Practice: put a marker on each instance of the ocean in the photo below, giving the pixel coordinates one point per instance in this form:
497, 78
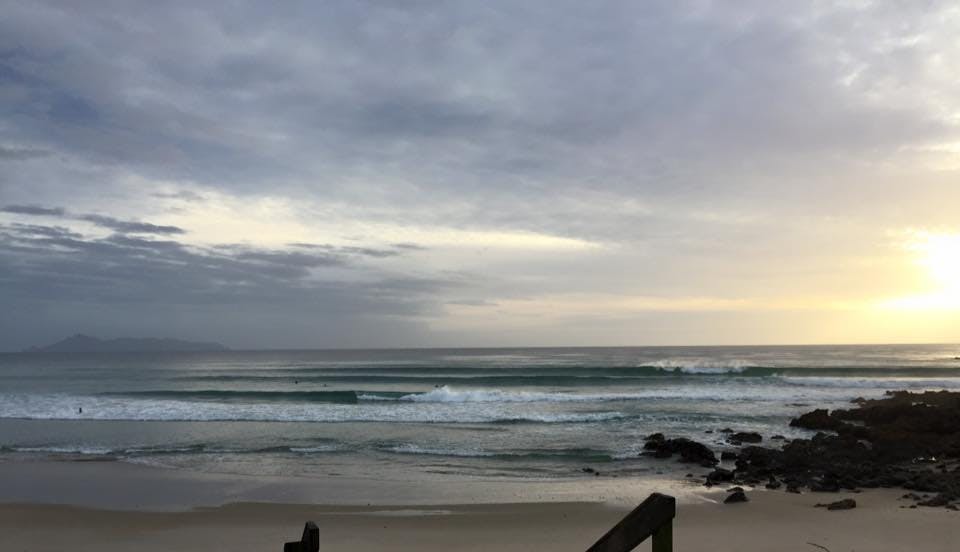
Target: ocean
448, 413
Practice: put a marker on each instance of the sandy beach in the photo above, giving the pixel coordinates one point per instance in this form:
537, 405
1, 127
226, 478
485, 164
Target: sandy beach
82, 519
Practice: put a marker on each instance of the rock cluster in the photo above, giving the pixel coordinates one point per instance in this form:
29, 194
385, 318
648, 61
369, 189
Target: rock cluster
908, 440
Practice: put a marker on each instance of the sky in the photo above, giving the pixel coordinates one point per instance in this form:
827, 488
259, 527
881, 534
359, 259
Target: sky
373, 173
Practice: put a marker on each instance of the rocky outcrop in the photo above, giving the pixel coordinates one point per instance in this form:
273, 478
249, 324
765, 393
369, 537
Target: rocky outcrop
817, 420
908, 440
658, 446
905, 440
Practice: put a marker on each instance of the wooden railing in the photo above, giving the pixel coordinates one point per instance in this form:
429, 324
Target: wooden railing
652, 518
309, 542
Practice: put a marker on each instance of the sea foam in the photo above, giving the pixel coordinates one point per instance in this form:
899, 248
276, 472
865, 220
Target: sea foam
702, 365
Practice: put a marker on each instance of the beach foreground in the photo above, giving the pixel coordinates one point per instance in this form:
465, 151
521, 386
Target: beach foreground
771, 521
107, 506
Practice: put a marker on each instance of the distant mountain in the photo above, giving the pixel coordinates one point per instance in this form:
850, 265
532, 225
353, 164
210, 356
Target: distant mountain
86, 344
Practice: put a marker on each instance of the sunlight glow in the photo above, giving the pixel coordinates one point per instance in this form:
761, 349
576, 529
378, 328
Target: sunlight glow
939, 256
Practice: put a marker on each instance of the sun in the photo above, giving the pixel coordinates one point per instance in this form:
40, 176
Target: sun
939, 254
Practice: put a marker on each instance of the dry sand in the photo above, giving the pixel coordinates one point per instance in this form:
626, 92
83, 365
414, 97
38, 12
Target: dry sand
772, 520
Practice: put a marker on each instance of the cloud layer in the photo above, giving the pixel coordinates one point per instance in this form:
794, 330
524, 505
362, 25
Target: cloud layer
471, 173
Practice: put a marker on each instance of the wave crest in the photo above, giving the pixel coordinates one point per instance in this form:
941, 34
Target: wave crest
447, 394
703, 365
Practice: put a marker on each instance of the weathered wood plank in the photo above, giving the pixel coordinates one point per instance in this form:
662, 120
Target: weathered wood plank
663, 538
309, 542
654, 514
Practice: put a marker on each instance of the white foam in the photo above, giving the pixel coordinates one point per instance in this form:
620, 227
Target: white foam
50, 407
96, 451
448, 394
410, 448
320, 448
702, 365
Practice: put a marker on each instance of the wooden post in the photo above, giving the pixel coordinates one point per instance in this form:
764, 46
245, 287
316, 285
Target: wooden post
653, 517
309, 542
663, 538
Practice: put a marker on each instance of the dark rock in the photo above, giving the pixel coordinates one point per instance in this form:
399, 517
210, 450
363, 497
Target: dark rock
738, 496
845, 504
719, 475
825, 485
690, 451
935, 502
735, 490
778, 438
818, 419
729, 455
726, 430
708, 431
906, 440
773, 484
587, 470
746, 437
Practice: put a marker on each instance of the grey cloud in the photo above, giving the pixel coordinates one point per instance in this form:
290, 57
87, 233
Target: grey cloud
510, 89
21, 154
40, 230
184, 195
130, 226
497, 103
33, 210
409, 246
288, 258
618, 122
54, 266
126, 226
396, 249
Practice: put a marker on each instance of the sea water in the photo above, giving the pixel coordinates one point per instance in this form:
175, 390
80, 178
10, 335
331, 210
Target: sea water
456, 413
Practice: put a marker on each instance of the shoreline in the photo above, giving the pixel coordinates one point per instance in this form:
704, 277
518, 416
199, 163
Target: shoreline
118, 485
110, 506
